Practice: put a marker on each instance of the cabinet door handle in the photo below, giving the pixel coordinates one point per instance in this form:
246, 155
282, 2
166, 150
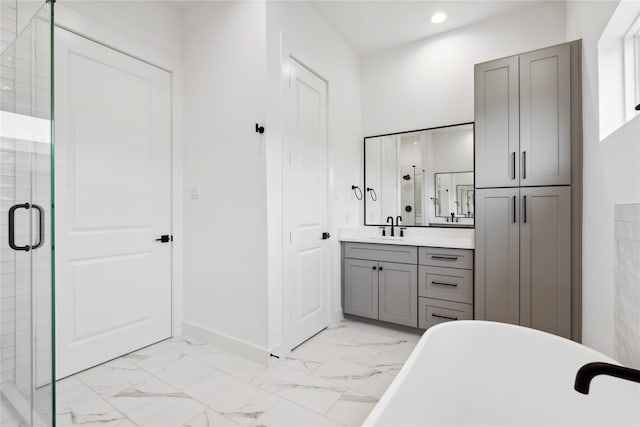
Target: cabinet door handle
444, 258
375, 268
443, 317
444, 284
380, 268
514, 210
513, 161
524, 208
524, 165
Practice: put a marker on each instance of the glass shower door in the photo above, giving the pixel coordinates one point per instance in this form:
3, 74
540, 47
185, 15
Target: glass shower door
27, 389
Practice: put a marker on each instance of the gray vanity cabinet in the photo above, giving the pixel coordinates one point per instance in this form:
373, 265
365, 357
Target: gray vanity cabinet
528, 231
407, 285
545, 116
398, 296
497, 119
523, 257
361, 288
523, 119
381, 282
497, 271
545, 259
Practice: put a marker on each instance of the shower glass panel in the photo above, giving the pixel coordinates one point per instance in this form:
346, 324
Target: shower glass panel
27, 389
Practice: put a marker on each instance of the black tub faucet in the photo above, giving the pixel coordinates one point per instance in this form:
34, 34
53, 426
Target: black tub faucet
390, 218
591, 370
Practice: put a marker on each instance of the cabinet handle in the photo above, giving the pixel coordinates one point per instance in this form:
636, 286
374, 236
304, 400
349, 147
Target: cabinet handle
380, 268
524, 165
524, 202
513, 161
443, 317
514, 210
444, 284
445, 258
375, 268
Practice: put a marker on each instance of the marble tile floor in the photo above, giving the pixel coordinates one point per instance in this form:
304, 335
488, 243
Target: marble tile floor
334, 379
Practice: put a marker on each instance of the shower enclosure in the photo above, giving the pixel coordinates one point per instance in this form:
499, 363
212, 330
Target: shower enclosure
27, 388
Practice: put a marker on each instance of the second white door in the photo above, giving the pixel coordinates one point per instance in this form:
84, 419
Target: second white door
305, 192
113, 200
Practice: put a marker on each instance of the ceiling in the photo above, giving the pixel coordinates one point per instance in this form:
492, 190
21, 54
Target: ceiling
370, 26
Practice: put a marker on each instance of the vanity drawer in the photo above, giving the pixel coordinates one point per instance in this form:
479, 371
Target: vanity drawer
433, 311
377, 252
451, 284
445, 257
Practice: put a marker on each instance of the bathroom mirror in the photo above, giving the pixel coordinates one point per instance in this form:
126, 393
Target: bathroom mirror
424, 176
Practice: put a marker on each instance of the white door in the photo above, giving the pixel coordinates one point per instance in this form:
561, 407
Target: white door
112, 196
305, 191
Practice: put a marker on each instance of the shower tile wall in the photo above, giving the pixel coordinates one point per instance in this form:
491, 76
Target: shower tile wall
627, 285
8, 23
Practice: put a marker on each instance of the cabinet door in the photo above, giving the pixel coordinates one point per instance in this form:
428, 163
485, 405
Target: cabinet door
545, 259
361, 288
496, 128
497, 256
545, 117
398, 293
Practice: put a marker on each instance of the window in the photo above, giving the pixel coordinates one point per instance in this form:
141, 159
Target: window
619, 68
632, 68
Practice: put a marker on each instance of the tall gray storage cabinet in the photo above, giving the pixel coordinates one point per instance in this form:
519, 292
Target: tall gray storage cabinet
527, 146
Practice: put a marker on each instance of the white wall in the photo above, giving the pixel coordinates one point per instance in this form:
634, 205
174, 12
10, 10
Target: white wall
152, 22
295, 28
430, 82
611, 176
225, 230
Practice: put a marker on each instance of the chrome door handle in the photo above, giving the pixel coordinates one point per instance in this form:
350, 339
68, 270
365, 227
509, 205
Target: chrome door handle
12, 227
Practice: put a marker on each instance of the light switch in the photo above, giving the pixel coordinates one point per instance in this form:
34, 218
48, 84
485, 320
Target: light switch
195, 192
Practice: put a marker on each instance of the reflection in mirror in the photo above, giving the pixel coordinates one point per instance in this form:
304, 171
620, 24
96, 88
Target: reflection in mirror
424, 176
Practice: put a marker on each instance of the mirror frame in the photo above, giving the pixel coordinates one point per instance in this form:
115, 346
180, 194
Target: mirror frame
364, 174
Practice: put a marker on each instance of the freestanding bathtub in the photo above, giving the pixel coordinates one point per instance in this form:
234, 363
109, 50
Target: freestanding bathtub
473, 373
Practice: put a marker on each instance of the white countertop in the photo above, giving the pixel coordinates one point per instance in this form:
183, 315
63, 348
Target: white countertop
458, 238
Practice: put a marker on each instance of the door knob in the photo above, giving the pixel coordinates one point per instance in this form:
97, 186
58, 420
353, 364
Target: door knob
165, 238
325, 235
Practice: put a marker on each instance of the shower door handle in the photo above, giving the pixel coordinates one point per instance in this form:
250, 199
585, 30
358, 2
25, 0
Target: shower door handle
40, 226
12, 227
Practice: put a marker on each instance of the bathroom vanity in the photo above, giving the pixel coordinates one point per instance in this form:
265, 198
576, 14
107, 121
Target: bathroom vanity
420, 185
415, 281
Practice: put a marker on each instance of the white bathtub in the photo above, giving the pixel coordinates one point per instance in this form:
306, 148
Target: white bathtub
472, 373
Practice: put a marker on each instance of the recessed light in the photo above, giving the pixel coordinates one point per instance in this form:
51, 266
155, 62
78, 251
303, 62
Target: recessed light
438, 17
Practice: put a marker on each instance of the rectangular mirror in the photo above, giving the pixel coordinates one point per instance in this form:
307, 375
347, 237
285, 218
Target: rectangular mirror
424, 176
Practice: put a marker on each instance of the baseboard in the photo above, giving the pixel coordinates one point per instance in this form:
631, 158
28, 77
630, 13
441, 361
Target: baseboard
336, 317
225, 342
